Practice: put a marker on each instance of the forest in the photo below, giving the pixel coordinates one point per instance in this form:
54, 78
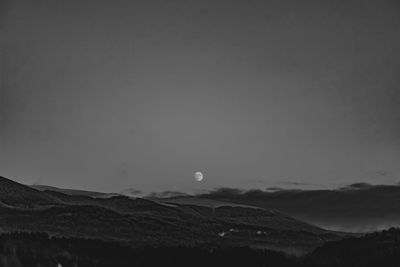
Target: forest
40, 249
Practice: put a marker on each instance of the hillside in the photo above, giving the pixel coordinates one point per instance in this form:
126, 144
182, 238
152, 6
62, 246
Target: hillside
381, 249
17, 195
39, 249
145, 222
376, 249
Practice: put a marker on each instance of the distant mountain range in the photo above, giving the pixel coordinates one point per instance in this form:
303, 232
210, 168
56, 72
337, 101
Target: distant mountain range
356, 208
139, 222
359, 207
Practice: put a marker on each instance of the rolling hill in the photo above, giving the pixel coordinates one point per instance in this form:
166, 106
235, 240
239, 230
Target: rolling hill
140, 222
14, 194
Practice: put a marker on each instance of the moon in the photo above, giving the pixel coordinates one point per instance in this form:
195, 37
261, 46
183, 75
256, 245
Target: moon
198, 176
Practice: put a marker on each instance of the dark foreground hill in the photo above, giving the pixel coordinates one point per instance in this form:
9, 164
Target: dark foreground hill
142, 222
24, 249
39, 249
376, 249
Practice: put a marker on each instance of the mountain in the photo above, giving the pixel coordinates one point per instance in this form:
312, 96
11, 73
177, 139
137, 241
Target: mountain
139, 222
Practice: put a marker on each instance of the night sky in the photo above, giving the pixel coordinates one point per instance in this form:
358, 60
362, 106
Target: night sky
109, 95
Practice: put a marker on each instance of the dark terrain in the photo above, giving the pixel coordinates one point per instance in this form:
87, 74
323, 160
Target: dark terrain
142, 222
39, 249
79, 228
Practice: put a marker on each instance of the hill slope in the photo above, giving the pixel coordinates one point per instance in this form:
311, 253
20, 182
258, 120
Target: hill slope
18, 195
376, 249
144, 222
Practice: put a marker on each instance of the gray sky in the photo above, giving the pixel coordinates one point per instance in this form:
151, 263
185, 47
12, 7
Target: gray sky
109, 95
